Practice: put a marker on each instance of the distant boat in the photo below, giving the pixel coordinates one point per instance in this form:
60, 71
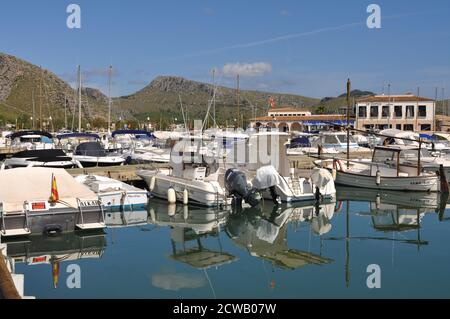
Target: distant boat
91, 154
384, 171
115, 195
192, 176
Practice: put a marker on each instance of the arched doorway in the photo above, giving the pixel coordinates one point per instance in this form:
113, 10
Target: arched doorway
283, 127
296, 127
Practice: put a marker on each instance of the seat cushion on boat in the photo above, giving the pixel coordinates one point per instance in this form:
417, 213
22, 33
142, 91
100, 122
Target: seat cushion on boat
403, 174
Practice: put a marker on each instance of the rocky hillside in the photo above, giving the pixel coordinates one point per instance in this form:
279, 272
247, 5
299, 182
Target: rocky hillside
162, 98
21, 83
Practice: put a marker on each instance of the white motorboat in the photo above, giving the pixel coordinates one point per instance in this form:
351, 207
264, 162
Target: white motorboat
265, 164
55, 158
31, 140
336, 142
25, 206
115, 195
192, 178
90, 154
385, 171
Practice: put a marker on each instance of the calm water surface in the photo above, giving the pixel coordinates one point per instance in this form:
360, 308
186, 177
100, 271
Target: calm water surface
297, 251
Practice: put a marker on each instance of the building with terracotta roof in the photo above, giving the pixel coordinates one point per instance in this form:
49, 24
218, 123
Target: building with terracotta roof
404, 112
289, 119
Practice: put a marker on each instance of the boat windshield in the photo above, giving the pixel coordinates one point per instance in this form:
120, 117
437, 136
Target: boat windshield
382, 156
343, 138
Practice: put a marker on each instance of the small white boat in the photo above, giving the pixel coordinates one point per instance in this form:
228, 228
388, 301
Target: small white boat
40, 158
192, 178
115, 195
336, 142
385, 171
90, 154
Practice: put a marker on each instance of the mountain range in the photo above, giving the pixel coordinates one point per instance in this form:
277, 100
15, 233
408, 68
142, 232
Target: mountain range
28, 91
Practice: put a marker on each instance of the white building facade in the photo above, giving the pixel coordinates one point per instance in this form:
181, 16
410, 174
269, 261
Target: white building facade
402, 112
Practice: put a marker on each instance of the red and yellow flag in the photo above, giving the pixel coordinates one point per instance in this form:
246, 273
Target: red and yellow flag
55, 273
54, 196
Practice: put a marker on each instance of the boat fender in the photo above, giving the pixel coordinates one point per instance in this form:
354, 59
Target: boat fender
185, 212
152, 214
377, 201
334, 173
273, 193
318, 195
151, 186
171, 209
185, 197
337, 164
378, 178
171, 196
443, 179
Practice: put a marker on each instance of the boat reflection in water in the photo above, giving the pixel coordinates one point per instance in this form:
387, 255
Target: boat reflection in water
126, 218
263, 232
53, 250
395, 211
189, 228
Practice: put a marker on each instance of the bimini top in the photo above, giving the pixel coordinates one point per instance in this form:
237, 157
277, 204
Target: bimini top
28, 133
34, 183
133, 132
300, 141
90, 149
77, 135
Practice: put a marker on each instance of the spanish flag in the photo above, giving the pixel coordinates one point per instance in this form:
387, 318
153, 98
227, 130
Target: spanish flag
55, 273
54, 196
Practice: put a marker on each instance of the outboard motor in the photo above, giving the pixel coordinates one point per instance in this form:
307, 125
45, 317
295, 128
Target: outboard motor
236, 185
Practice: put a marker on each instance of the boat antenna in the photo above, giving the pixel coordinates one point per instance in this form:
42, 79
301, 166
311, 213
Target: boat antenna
109, 99
79, 98
182, 113
348, 122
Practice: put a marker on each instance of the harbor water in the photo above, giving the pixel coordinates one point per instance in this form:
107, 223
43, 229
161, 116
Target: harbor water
291, 251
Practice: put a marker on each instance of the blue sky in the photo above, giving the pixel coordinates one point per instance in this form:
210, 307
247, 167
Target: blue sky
301, 47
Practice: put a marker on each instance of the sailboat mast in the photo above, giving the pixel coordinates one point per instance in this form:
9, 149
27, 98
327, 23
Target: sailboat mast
214, 96
238, 102
79, 99
109, 99
65, 111
34, 110
348, 121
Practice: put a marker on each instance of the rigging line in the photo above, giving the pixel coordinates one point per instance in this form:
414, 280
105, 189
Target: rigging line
210, 284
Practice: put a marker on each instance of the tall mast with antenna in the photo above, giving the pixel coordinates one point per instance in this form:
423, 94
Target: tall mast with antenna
109, 99
34, 110
238, 102
65, 111
79, 98
214, 99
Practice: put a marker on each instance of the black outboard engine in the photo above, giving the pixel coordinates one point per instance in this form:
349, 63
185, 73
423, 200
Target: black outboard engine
236, 185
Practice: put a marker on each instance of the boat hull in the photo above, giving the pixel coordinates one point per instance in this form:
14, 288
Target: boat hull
415, 184
199, 192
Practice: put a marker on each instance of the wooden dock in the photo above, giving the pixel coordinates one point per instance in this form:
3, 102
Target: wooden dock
124, 173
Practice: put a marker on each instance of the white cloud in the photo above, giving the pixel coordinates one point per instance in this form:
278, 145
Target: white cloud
178, 281
246, 69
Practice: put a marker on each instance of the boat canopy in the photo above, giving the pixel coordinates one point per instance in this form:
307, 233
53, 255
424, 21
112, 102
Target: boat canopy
133, 132
90, 149
77, 135
28, 133
301, 141
34, 184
